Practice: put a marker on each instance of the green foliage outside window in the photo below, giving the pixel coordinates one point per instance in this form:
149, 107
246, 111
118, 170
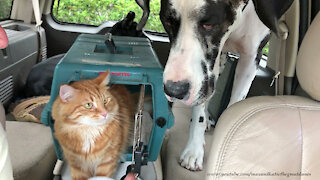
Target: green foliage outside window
265, 50
5, 9
95, 12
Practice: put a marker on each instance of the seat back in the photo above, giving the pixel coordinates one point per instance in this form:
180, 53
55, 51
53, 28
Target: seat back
273, 137
5, 163
308, 62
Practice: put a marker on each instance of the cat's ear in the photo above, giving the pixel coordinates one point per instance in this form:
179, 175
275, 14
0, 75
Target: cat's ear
67, 93
103, 79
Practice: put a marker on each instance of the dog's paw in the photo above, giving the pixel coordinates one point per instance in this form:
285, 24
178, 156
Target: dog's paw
192, 157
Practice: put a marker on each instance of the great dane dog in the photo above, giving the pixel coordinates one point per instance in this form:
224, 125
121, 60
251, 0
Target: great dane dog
199, 31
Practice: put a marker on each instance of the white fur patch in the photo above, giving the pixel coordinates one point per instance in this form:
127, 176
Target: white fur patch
245, 40
89, 136
88, 121
192, 156
184, 7
92, 130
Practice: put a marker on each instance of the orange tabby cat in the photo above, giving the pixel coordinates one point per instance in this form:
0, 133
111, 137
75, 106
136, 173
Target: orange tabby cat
92, 123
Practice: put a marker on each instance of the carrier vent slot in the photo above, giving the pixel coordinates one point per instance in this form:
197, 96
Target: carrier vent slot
6, 89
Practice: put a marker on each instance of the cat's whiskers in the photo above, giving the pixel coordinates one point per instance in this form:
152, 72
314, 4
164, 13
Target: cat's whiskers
118, 114
117, 117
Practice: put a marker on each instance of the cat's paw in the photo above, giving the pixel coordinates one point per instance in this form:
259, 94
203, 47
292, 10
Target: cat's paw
192, 156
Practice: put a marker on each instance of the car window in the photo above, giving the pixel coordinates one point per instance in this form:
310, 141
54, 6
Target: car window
5, 9
265, 50
95, 12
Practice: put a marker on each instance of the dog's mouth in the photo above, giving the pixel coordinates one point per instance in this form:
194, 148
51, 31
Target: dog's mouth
188, 102
191, 99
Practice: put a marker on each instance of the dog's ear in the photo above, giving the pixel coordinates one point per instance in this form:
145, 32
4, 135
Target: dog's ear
270, 11
145, 5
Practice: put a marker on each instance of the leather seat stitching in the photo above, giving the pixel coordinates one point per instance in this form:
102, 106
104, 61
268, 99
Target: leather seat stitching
244, 118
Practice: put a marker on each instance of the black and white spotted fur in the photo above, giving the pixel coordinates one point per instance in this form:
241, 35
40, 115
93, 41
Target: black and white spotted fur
199, 31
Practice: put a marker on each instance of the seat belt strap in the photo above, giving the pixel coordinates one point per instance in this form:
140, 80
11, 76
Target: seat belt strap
37, 16
278, 78
36, 10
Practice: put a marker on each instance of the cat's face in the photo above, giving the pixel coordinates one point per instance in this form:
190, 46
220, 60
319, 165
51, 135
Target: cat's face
89, 102
96, 106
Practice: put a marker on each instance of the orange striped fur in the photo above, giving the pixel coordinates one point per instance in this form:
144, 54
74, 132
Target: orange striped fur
91, 141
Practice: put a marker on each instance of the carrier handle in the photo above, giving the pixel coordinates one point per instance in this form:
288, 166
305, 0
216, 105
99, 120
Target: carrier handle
110, 43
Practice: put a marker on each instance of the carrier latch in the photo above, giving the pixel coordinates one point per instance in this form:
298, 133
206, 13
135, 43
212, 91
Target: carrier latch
139, 151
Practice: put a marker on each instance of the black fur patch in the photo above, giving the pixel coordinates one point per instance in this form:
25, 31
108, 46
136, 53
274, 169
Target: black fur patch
215, 52
245, 5
203, 93
204, 68
217, 13
201, 119
270, 11
169, 20
220, 15
213, 58
191, 120
211, 81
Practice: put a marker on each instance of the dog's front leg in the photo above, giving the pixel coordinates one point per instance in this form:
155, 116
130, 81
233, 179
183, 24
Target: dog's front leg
192, 156
245, 73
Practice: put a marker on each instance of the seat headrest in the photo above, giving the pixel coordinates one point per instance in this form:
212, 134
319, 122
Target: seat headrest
308, 60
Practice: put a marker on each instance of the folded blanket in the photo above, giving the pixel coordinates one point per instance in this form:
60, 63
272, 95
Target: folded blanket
30, 109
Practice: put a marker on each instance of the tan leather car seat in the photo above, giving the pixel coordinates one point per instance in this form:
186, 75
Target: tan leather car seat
273, 137
30, 148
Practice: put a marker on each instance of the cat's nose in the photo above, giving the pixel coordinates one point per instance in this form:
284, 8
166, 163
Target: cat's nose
104, 114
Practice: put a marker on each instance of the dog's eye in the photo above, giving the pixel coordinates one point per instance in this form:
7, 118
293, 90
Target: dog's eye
168, 23
207, 27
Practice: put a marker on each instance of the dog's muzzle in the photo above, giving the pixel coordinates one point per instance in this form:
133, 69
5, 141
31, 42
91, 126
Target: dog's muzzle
178, 90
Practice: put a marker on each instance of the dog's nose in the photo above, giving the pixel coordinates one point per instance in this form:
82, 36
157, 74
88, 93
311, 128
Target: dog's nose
177, 89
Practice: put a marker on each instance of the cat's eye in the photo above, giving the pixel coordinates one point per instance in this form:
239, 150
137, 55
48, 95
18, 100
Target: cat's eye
88, 105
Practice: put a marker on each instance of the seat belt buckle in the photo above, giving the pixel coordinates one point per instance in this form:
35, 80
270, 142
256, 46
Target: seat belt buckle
275, 78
